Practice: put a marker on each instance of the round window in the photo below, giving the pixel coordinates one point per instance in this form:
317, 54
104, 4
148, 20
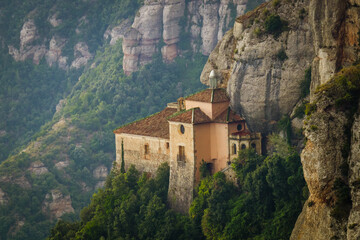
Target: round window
239, 127
182, 129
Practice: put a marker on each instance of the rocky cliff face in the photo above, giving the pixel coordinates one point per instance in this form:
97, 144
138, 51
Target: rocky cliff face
34, 48
330, 163
263, 68
56, 204
159, 26
172, 22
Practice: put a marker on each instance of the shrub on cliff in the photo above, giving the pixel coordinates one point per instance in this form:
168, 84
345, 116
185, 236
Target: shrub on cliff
274, 24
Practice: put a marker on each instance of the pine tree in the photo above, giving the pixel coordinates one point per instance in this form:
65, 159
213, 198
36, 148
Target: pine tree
122, 168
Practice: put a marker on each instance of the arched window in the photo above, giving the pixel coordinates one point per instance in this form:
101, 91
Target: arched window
243, 146
253, 145
234, 149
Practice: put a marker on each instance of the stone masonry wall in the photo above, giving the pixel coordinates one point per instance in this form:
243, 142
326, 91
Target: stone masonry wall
134, 153
182, 173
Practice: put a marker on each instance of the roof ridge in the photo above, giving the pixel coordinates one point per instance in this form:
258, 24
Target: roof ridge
140, 119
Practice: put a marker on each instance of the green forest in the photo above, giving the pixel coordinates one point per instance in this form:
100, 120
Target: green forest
103, 99
264, 204
29, 92
95, 99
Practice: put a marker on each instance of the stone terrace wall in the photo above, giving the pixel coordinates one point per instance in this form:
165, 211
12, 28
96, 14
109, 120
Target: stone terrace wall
134, 153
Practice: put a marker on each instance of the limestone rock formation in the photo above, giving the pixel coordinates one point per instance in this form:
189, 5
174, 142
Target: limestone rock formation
353, 227
100, 172
32, 47
335, 25
100, 184
261, 85
159, 26
322, 161
168, 21
16, 179
3, 198
81, 54
263, 70
38, 168
61, 165
53, 55
117, 32
54, 20
28, 35
57, 204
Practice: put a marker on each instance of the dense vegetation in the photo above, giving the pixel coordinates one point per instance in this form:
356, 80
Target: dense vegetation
130, 207
28, 97
29, 92
265, 205
81, 133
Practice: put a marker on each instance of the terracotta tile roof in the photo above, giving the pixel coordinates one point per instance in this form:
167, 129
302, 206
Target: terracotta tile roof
155, 125
194, 115
210, 95
242, 133
228, 116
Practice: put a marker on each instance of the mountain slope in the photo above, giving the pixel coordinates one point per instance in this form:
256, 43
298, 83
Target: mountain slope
53, 171
264, 62
72, 154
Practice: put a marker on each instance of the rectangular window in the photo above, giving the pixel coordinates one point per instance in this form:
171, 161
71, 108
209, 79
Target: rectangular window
147, 149
234, 149
181, 150
181, 154
167, 145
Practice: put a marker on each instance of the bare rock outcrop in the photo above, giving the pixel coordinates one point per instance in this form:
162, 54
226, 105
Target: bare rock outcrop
335, 25
38, 168
322, 161
168, 21
100, 172
81, 54
28, 50
117, 32
353, 226
262, 71
61, 165
53, 55
100, 184
57, 204
262, 85
54, 20
3, 198
19, 180
32, 47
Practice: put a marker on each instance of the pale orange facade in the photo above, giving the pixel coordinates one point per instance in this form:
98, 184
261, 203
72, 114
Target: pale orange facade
199, 127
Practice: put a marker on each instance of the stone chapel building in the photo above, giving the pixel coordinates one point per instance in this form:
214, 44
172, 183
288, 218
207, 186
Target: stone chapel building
199, 127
